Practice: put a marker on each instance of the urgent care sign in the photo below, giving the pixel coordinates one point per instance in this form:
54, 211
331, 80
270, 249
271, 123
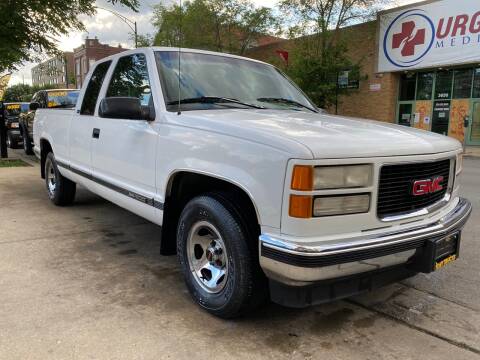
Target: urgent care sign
438, 33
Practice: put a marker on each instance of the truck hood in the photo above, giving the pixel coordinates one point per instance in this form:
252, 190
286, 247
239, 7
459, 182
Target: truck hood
325, 136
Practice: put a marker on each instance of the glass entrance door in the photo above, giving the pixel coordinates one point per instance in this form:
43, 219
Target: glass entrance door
474, 126
441, 117
405, 114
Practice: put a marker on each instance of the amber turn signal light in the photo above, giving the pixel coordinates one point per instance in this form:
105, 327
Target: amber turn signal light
301, 206
302, 178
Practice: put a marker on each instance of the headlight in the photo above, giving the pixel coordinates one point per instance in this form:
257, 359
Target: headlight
341, 205
338, 177
459, 164
308, 178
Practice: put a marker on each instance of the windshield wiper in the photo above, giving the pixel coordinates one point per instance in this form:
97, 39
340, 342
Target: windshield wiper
286, 101
213, 100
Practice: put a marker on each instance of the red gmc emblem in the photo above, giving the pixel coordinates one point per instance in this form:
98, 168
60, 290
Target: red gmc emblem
428, 186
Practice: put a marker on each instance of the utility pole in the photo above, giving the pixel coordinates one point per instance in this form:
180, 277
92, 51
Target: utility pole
136, 35
65, 68
130, 23
336, 93
3, 133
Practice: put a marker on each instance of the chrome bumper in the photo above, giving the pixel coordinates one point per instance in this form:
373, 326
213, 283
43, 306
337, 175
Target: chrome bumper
297, 265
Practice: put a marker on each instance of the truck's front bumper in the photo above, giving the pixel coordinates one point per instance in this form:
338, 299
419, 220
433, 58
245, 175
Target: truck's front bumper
294, 265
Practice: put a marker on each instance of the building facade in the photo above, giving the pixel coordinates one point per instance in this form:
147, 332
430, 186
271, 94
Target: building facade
420, 67
87, 54
56, 72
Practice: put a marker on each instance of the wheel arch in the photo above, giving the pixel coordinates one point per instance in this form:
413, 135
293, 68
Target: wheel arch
184, 185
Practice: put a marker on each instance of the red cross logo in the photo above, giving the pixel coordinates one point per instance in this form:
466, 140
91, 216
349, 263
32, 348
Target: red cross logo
408, 39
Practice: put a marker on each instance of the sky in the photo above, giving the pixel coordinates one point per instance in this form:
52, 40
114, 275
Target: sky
111, 30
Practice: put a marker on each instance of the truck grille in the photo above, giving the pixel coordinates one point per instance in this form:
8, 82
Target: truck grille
396, 183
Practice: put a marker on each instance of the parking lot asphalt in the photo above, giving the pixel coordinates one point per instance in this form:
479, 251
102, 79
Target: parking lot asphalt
87, 282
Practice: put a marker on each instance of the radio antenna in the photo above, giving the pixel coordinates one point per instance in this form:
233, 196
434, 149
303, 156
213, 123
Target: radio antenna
179, 111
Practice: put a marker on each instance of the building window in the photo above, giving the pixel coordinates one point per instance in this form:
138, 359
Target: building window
407, 87
476, 83
462, 85
443, 86
348, 79
425, 86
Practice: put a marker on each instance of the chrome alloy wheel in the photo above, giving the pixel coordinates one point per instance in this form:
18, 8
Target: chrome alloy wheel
51, 178
207, 257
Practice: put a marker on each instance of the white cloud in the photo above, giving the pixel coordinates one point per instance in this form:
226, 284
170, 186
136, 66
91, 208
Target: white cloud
267, 3
111, 30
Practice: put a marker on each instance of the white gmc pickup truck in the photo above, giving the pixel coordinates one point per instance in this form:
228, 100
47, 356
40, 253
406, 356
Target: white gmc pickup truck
258, 192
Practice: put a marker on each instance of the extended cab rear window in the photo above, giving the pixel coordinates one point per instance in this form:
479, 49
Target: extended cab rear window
93, 89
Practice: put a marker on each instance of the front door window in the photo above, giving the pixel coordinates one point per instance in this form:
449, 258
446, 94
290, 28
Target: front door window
130, 79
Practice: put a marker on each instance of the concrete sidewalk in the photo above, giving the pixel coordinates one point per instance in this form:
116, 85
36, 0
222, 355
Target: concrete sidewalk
87, 282
472, 151
20, 154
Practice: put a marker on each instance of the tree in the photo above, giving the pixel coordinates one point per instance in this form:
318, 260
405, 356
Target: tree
30, 27
218, 25
143, 40
16, 93
22, 92
321, 50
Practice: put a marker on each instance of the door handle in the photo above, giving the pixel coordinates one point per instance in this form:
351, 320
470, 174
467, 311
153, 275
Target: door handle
96, 133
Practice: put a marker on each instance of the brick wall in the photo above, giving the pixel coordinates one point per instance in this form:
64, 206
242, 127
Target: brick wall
376, 97
88, 53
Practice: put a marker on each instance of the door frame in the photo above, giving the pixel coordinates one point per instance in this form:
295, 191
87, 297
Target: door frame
406, 102
468, 131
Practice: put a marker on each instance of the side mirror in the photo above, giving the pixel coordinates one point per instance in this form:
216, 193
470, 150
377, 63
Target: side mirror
34, 106
125, 108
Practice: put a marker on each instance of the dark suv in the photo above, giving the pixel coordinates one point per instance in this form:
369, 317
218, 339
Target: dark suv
12, 115
55, 98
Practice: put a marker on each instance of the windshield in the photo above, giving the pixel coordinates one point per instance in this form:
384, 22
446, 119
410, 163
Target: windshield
12, 109
62, 98
213, 81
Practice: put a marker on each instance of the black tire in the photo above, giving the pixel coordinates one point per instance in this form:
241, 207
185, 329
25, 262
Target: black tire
12, 144
240, 292
27, 144
62, 191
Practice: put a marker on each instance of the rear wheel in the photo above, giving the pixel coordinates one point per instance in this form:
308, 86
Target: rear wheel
61, 190
216, 259
27, 144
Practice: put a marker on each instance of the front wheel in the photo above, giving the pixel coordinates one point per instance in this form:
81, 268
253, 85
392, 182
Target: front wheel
61, 190
217, 263
11, 143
